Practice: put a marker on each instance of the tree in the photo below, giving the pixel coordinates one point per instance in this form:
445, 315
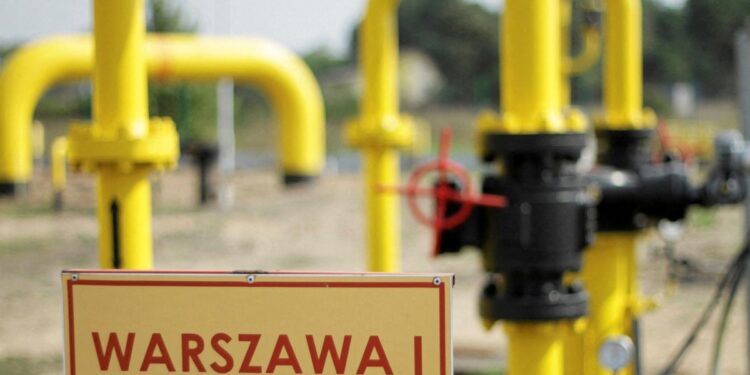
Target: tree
191, 106
711, 26
666, 47
462, 38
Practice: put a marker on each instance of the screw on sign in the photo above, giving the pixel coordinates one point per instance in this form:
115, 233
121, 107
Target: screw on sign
443, 192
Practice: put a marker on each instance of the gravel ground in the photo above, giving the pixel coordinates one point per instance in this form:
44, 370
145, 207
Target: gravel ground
272, 228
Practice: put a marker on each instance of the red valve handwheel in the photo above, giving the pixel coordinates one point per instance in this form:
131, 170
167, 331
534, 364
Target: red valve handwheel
443, 192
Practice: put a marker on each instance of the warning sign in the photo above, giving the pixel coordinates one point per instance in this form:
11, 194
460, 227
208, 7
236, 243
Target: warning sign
127, 322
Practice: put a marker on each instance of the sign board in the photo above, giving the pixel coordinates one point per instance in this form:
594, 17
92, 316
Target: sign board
162, 322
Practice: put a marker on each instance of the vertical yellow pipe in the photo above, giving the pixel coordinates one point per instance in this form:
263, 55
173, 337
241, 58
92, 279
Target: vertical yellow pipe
531, 67
120, 80
566, 15
379, 61
610, 269
610, 277
120, 108
623, 72
532, 103
535, 348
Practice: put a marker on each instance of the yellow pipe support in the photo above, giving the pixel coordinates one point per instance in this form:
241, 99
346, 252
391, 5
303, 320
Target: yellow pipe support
623, 68
288, 82
59, 178
535, 348
380, 131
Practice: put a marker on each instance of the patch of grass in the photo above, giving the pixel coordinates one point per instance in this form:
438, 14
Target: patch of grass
702, 217
30, 365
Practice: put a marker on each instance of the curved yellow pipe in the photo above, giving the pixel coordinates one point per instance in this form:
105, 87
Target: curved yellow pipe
588, 56
25, 77
289, 84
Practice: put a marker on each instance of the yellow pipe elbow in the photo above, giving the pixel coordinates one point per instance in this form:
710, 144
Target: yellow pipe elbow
59, 178
290, 85
25, 77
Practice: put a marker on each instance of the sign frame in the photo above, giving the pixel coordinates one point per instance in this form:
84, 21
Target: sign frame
73, 280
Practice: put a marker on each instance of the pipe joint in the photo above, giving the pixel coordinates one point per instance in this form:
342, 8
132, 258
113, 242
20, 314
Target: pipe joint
572, 120
644, 119
90, 149
394, 132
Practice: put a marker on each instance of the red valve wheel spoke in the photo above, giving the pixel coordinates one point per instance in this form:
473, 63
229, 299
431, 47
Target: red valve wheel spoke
448, 172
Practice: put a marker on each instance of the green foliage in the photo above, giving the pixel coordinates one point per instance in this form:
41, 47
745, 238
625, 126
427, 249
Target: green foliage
666, 47
191, 106
656, 97
321, 60
711, 26
165, 16
462, 39
340, 101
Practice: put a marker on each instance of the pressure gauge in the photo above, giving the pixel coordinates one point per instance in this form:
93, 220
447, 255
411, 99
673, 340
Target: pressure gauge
616, 352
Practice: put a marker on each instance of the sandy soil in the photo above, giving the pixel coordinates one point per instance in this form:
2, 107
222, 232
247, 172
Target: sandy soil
316, 228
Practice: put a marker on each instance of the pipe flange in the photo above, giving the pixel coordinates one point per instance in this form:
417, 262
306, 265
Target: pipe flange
391, 132
158, 149
567, 304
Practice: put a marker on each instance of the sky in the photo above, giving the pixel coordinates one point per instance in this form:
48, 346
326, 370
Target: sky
301, 25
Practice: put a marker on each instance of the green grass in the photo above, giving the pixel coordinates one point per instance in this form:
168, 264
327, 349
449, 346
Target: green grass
30, 366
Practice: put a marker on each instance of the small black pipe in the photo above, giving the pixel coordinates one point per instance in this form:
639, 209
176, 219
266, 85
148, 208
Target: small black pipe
116, 256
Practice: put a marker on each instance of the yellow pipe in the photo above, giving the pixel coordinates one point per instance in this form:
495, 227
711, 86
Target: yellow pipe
25, 77
566, 16
379, 61
609, 269
623, 71
380, 131
532, 102
610, 276
531, 67
120, 112
290, 86
535, 348
120, 102
586, 58
59, 178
